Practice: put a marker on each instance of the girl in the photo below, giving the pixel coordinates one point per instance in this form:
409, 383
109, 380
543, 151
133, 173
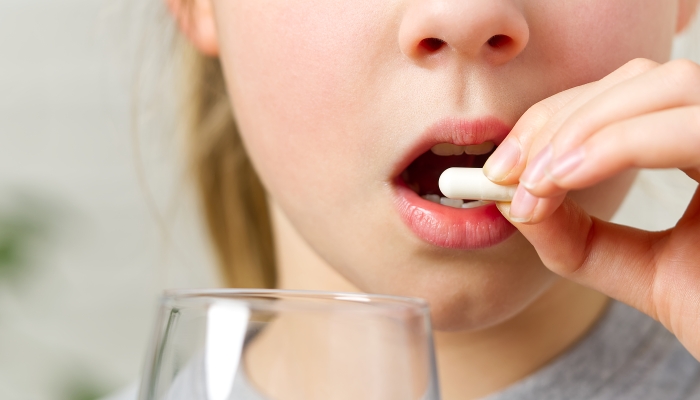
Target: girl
346, 111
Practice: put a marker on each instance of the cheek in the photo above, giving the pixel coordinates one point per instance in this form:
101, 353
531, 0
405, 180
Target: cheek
296, 108
585, 40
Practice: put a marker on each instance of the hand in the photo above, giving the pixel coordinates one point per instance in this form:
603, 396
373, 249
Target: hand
644, 115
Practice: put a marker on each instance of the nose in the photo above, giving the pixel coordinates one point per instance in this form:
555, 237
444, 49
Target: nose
494, 31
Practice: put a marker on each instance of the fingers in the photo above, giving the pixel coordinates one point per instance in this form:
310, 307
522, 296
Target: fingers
540, 123
508, 161
648, 120
666, 139
662, 88
526, 208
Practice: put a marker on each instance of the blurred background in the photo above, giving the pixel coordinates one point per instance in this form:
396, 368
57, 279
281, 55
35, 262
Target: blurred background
96, 218
95, 215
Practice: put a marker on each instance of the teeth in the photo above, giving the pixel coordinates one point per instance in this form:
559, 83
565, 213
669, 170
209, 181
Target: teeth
479, 149
447, 149
432, 197
456, 203
475, 204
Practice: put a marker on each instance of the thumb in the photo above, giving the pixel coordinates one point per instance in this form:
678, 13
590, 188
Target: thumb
613, 259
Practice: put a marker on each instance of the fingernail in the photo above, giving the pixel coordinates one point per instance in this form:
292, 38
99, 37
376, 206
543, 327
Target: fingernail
504, 208
503, 160
523, 205
535, 170
566, 164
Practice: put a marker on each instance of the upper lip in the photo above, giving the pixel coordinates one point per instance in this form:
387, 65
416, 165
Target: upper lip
458, 131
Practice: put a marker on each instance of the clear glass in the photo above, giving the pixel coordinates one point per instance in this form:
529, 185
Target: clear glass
290, 345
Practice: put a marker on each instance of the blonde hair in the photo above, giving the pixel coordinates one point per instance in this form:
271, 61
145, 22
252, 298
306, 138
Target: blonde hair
231, 194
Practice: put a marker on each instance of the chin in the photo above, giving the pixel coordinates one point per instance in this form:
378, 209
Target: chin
473, 313
470, 291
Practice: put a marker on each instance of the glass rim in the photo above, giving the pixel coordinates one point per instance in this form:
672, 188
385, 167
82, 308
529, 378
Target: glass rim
349, 297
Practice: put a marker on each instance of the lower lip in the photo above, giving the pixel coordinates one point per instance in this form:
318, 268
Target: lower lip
453, 228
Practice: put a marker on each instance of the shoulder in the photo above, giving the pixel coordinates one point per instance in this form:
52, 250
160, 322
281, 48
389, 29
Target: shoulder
639, 359
659, 368
626, 356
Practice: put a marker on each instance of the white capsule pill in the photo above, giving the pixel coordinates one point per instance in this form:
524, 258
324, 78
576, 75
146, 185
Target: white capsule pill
472, 184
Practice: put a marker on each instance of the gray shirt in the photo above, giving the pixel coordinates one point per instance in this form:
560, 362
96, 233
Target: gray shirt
626, 356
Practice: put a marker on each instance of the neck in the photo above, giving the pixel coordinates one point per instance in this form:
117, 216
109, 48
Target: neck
470, 364
475, 364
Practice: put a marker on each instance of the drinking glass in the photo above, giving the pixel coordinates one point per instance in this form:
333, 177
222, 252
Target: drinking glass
290, 345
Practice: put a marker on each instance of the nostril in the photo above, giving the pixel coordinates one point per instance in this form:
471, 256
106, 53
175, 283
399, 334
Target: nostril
499, 41
431, 44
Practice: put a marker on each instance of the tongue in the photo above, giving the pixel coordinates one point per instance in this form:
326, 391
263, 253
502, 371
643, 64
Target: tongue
425, 170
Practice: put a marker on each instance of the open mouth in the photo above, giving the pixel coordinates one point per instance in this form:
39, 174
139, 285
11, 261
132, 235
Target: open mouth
455, 224
423, 173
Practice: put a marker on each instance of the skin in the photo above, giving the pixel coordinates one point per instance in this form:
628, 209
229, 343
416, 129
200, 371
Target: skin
329, 95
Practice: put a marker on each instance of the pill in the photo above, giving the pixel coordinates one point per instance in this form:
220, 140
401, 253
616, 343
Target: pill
472, 184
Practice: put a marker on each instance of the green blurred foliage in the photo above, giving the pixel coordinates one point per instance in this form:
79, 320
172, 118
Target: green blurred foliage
28, 221
84, 390
25, 224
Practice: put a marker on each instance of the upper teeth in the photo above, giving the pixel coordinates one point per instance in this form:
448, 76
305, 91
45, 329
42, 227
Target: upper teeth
448, 149
478, 149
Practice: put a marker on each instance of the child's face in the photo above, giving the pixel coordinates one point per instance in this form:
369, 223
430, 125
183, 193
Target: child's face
335, 98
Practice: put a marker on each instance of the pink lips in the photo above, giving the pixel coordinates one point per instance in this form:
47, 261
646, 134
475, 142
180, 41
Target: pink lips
444, 226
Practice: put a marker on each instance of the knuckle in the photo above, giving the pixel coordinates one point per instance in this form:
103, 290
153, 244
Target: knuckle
640, 65
541, 110
685, 72
550, 106
537, 116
